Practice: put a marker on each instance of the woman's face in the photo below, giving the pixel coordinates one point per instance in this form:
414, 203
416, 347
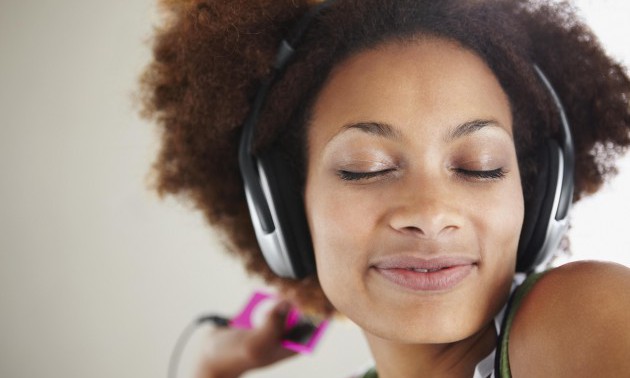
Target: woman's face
413, 193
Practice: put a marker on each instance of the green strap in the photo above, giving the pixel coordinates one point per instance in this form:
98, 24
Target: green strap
370, 373
520, 293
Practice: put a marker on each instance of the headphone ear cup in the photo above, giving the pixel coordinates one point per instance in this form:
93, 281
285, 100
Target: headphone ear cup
287, 205
539, 209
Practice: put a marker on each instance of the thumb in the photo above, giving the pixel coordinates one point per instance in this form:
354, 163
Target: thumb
264, 347
274, 325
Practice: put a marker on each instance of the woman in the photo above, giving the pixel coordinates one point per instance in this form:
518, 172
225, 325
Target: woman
422, 143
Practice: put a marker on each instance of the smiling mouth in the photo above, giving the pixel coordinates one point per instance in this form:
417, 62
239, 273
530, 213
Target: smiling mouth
421, 270
425, 275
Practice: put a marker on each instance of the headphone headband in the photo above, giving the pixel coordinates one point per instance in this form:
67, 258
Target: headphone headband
247, 162
566, 195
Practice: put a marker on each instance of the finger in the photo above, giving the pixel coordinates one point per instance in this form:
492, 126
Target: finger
264, 345
274, 325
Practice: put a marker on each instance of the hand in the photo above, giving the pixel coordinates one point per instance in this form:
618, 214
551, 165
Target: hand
231, 351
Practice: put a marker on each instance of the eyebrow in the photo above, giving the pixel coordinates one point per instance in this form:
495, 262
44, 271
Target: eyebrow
387, 131
375, 128
468, 128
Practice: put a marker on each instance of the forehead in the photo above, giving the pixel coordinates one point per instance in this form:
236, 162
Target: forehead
427, 81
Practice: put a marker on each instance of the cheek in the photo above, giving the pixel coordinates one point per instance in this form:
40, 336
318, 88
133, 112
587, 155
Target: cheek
499, 225
497, 222
342, 230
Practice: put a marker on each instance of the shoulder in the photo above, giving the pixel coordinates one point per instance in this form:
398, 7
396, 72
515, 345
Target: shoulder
574, 322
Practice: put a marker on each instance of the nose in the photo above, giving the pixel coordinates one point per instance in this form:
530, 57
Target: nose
428, 213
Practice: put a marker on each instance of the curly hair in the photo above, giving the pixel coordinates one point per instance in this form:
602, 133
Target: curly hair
210, 56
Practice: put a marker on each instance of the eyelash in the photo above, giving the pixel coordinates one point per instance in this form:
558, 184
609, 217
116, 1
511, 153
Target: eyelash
494, 174
357, 176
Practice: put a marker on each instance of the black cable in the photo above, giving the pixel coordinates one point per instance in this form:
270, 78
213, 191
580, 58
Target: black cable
184, 337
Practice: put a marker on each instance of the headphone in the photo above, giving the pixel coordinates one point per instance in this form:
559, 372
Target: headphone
276, 204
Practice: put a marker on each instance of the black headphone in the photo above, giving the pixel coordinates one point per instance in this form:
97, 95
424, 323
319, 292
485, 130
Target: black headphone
276, 204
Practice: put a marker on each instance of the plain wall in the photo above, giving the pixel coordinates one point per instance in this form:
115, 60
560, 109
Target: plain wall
97, 275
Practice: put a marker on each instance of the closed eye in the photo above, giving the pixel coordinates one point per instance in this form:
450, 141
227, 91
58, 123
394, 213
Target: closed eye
493, 174
357, 176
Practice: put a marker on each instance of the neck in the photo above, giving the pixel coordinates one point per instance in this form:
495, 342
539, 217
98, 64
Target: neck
458, 359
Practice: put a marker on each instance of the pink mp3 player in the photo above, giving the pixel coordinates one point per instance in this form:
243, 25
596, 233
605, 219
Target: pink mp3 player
302, 333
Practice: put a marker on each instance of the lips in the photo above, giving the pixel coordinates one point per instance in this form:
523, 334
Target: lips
420, 274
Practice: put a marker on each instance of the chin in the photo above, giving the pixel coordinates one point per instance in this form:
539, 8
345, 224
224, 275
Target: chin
439, 319
438, 330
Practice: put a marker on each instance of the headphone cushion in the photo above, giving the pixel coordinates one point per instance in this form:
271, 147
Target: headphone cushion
288, 203
539, 208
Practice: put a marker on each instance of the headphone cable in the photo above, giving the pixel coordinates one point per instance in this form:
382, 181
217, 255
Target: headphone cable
185, 335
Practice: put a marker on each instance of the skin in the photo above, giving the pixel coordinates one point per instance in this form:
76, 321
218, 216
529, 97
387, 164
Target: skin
424, 201
574, 323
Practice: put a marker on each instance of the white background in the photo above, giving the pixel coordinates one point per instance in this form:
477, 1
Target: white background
97, 275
